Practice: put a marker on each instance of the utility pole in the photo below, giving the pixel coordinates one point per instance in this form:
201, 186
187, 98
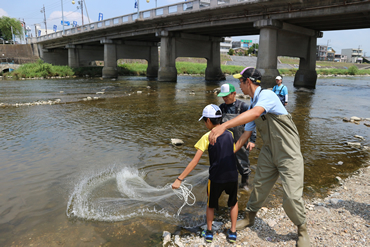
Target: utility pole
62, 16
82, 12
43, 11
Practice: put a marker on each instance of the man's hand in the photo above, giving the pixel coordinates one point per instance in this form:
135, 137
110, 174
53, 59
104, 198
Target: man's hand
250, 146
176, 184
216, 132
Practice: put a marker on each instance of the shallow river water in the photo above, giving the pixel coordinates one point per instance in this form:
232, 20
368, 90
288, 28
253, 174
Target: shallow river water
96, 172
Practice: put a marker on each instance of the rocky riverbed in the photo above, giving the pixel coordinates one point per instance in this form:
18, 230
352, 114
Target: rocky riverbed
341, 219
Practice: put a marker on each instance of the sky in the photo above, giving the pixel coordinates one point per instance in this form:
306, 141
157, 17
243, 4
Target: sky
29, 10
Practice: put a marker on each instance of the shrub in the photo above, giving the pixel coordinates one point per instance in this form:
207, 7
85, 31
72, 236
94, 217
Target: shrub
353, 70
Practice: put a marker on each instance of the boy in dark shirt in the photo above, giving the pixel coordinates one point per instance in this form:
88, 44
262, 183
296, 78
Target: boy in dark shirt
223, 174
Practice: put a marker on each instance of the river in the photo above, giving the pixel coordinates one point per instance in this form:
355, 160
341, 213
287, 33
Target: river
96, 172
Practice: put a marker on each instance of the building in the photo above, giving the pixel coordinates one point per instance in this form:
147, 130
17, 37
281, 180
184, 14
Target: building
321, 52
236, 44
226, 45
353, 55
340, 58
245, 43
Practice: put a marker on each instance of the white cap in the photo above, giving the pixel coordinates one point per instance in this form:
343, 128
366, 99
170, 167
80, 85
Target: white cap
210, 112
278, 77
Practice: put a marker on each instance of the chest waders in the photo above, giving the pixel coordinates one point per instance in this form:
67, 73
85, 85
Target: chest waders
280, 156
281, 97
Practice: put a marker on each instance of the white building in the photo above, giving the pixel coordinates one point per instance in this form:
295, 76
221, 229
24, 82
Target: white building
226, 45
353, 55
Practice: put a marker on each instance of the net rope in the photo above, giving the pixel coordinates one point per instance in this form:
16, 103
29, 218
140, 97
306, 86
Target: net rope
184, 193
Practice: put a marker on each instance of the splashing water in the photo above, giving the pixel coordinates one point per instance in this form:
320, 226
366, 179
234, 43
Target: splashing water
118, 195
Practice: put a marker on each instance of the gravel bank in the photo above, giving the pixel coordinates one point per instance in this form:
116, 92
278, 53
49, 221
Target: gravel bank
341, 219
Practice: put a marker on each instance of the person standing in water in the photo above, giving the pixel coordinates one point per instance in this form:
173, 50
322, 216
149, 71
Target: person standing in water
281, 90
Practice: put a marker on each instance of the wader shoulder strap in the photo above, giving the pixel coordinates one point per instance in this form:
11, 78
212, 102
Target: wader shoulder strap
281, 90
238, 105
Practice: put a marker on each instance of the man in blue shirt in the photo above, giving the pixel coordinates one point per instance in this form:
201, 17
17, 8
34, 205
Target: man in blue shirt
281, 90
280, 154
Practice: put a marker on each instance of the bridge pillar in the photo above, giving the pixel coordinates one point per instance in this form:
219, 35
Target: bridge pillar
167, 70
110, 59
213, 70
267, 51
306, 75
153, 63
73, 56
283, 39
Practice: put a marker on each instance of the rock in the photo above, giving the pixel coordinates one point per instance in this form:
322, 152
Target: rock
139, 92
354, 144
217, 90
178, 242
367, 124
176, 142
99, 92
191, 93
89, 98
61, 92
360, 137
367, 119
338, 179
166, 237
340, 163
335, 201
356, 118
346, 120
322, 209
148, 87
365, 148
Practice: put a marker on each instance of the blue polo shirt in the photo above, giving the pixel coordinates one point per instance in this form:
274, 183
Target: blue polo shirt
269, 101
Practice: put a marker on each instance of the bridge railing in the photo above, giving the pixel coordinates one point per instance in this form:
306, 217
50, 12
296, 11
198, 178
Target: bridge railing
173, 9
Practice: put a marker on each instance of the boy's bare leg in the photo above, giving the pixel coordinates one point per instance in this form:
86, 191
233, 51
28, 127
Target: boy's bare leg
234, 216
210, 214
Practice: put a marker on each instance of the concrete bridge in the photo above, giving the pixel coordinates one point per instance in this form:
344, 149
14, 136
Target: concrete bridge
195, 29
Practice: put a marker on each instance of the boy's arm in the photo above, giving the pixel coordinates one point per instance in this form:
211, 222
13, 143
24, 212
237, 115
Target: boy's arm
242, 140
188, 169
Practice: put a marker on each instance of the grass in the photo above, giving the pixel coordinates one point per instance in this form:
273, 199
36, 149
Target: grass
183, 66
40, 69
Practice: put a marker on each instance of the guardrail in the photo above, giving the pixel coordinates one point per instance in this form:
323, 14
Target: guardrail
177, 8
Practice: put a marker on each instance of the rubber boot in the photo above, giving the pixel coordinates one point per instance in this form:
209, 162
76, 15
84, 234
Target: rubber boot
247, 221
303, 238
244, 183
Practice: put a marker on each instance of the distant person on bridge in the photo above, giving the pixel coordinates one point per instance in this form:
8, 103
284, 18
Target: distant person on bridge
230, 109
280, 154
281, 90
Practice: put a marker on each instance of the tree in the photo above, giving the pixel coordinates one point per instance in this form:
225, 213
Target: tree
231, 52
6, 25
253, 49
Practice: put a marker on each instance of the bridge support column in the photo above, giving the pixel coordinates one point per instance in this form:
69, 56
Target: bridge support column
213, 70
153, 63
110, 59
167, 70
73, 56
267, 51
306, 75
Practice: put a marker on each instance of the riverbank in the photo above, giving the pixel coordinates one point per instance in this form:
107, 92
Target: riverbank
197, 67
341, 219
